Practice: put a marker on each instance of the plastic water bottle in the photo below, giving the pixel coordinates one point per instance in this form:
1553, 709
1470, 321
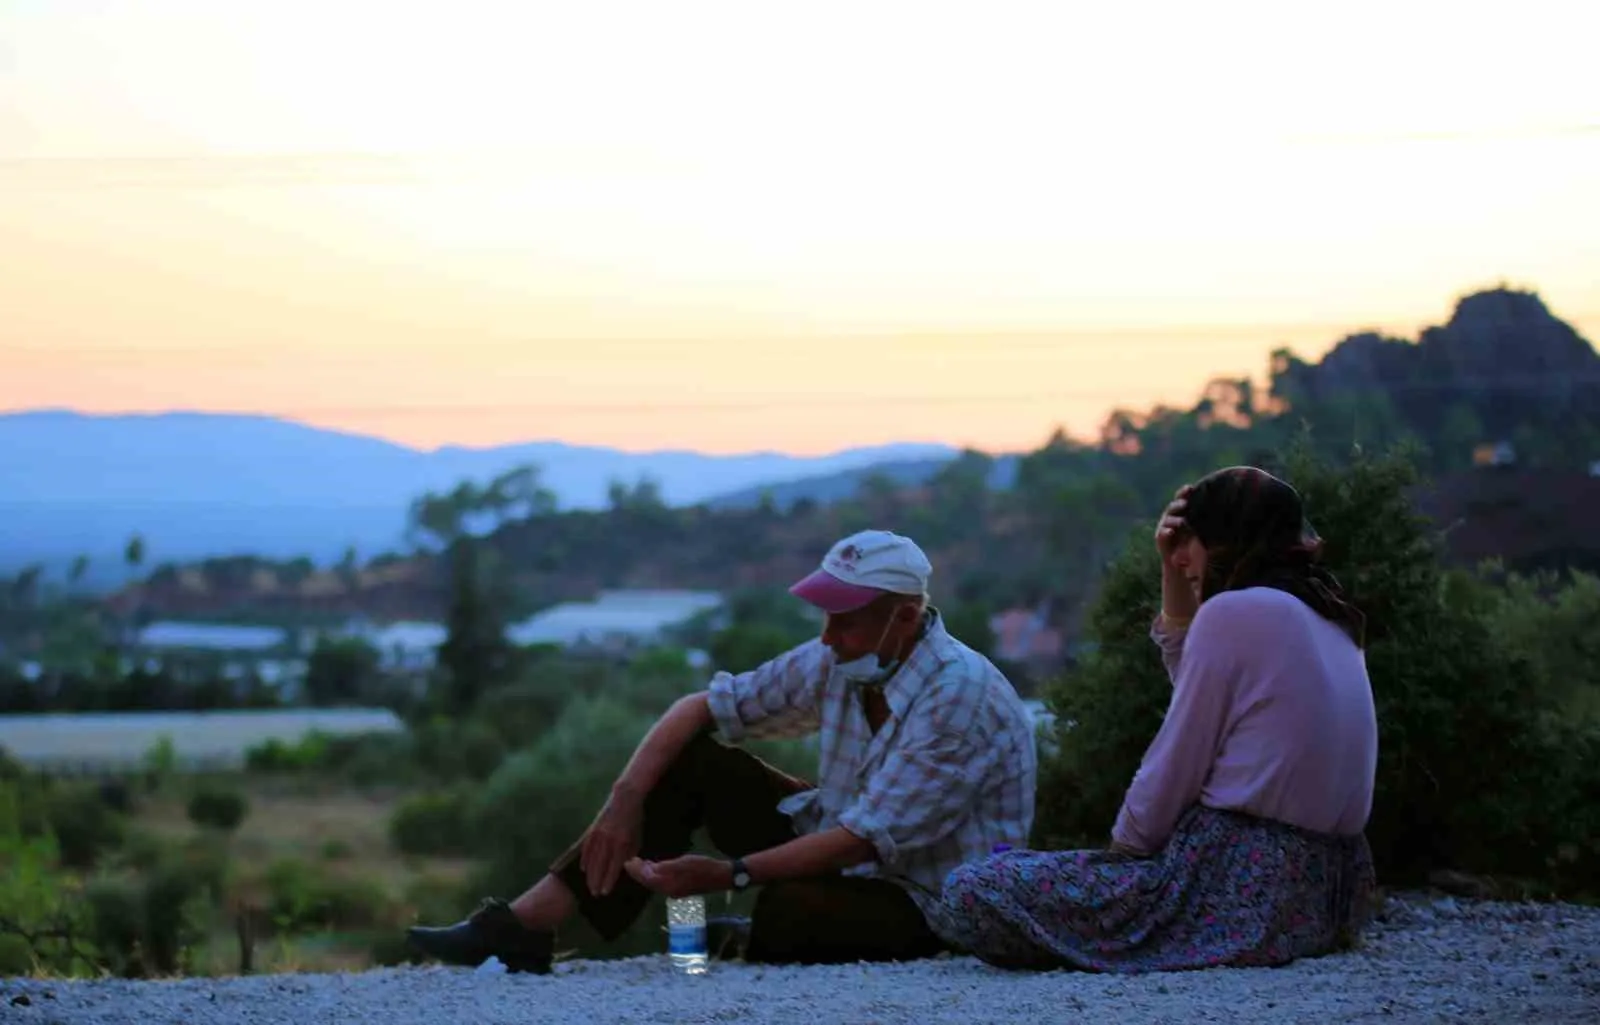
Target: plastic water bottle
686, 934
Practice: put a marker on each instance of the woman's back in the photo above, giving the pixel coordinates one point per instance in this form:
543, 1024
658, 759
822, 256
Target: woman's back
1299, 740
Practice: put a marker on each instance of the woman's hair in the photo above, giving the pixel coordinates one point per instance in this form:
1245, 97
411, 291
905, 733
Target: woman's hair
1255, 533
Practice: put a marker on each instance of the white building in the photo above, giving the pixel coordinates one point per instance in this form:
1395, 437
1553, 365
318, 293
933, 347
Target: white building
220, 637
407, 646
243, 651
616, 620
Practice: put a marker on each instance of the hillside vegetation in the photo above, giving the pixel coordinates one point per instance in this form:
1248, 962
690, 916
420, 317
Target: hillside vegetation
1039, 528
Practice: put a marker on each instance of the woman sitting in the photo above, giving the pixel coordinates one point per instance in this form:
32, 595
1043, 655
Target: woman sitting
1240, 839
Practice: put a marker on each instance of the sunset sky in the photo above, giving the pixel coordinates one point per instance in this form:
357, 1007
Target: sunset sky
732, 226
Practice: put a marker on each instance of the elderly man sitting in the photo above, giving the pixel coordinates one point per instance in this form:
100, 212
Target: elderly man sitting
927, 761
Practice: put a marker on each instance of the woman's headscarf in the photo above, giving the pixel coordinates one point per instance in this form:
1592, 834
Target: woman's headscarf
1255, 532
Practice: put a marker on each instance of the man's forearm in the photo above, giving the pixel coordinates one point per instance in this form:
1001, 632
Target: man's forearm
665, 741
812, 855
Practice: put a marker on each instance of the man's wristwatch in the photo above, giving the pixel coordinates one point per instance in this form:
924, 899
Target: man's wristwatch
741, 875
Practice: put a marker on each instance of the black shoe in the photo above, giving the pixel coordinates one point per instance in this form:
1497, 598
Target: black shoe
727, 937
491, 931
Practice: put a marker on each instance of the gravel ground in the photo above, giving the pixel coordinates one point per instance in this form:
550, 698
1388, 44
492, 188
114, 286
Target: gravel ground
1428, 959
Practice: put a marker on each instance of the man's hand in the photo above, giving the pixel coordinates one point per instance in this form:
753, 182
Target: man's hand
611, 841
682, 877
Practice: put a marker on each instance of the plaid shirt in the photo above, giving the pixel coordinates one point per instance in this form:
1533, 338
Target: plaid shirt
948, 776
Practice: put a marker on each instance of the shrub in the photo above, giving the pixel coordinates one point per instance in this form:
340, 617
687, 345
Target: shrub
469, 749
300, 898
84, 827
381, 758
431, 824
1548, 620
41, 918
1475, 772
150, 923
217, 808
10, 768
117, 795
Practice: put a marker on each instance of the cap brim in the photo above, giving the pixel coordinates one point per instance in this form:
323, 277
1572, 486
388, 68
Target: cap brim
832, 595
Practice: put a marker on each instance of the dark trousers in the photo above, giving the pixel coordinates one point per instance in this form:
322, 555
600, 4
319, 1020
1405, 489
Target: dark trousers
734, 796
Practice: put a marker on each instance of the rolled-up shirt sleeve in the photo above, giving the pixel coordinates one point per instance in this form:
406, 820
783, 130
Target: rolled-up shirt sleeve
924, 786
1179, 760
779, 698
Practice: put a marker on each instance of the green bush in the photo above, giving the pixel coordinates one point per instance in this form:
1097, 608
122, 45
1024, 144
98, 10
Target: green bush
527, 708
432, 824
41, 915
84, 827
117, 795
1476, 770
217, 808
361, 758
10, 768
469, 749
150, 924
1548, 619
302, 899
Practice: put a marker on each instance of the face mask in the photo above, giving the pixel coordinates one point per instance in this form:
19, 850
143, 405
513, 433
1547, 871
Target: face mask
869, 669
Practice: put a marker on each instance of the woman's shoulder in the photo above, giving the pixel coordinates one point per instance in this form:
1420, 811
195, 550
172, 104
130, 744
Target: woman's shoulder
1247, 605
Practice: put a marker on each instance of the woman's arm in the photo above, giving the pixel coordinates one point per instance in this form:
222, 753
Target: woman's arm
1179, 760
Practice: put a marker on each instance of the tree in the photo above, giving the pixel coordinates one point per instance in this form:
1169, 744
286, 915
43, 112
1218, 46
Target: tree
475, 655
433, 520
134, 553
349, 569
519, 494
340, 671
25, 587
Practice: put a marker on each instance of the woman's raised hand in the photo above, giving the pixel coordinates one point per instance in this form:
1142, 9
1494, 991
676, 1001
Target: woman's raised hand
1178, 602
1169, 531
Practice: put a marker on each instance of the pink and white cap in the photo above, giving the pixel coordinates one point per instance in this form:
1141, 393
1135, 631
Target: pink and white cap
863, 567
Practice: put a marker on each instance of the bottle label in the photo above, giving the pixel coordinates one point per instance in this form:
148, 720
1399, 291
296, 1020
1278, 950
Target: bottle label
686, 939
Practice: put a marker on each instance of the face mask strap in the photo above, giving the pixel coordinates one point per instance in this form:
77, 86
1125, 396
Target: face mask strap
882, 671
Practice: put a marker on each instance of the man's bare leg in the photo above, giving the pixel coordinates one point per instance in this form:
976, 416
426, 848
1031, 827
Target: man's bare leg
545, 904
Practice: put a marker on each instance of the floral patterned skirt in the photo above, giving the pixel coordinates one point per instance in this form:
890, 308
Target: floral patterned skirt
1228, 889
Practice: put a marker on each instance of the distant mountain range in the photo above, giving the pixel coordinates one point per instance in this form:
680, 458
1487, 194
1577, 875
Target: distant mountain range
843, 484
197, 484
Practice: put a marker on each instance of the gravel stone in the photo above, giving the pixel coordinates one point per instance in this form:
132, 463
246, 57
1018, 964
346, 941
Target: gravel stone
1425, 959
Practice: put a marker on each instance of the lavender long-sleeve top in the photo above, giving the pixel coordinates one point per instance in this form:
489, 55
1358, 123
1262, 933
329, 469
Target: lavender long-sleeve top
1271, 714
